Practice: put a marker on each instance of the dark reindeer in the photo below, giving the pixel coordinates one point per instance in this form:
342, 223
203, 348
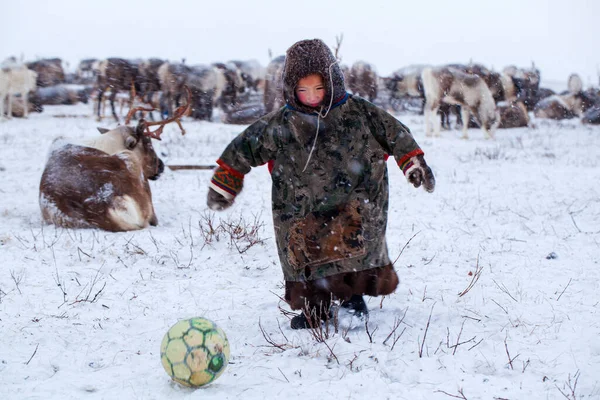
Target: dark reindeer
50, 71
117, 75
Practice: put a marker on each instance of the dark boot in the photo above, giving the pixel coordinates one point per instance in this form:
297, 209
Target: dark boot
301, 322
356, 305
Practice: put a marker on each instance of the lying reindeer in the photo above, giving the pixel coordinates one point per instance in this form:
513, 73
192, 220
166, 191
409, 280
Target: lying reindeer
573, 103
103, 183
452, 86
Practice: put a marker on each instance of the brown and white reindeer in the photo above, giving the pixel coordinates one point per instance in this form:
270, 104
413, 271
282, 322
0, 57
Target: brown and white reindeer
362, 80
452, 86
252, 73
405, 87
103, 183
229, 85
575, 102
406, 82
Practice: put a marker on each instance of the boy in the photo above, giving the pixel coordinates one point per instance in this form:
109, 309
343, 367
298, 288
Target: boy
327, 153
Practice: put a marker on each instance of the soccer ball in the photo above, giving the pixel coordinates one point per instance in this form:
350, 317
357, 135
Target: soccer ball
194, 352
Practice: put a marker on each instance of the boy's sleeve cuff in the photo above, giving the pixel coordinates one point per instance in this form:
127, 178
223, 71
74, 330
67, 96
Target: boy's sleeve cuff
226, 183
407, 163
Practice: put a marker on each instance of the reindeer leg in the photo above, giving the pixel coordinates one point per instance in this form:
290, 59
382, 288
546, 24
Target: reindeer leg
9, 108
25, 105
486, 133
169, 105
457, 110
427, 116
112, 97
121, 106
104, 100
489, 134
2, 107
131, 100
100, 94
464, 112
437, 127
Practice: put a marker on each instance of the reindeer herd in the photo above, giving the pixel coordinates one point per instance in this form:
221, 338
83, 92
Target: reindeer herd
103, 183
470, 94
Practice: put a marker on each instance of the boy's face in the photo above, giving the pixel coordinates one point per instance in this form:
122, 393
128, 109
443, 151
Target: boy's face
310, 90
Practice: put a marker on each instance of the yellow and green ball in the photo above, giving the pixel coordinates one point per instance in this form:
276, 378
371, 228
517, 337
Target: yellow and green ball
194, 352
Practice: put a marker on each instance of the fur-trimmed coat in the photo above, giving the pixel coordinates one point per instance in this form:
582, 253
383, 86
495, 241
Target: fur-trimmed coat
330, 207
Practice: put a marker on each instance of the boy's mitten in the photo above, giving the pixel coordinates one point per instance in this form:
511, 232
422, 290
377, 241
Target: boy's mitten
224, 186
418, 172
217, 201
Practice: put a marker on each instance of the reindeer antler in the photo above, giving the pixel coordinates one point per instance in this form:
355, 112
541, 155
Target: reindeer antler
338, 44
177, 114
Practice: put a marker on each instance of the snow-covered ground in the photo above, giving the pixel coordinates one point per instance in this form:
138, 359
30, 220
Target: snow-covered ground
82, 312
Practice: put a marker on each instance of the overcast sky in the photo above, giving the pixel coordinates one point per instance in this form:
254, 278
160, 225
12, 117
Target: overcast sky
560, 36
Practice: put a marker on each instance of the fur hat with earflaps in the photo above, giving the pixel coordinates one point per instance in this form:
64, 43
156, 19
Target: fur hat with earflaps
308, 57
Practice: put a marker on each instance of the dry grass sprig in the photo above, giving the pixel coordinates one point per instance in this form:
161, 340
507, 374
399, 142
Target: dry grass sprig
474, 278
397, 323
425, 334
461, 394
570, 387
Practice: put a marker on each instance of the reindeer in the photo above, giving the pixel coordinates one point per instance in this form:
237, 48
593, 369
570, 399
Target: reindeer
273, 95
452, 86
513, 115
50, 71
103, 183
524, 84
252, 73
117, 74
16, 81
202, 82
592, 116
87, 70
362, 80
173, 77
230, 85
492, 79
575, 102
62, 95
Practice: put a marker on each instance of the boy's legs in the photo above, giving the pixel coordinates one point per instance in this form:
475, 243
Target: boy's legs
314, 297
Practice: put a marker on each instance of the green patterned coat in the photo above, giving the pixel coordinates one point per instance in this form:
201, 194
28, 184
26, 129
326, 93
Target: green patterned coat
329, 212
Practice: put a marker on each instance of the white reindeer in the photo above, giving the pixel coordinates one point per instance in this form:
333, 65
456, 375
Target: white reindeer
13, 81
453, 86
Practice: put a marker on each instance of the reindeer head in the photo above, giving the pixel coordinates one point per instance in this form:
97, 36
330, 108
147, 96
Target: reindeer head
138, 140
133, 140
